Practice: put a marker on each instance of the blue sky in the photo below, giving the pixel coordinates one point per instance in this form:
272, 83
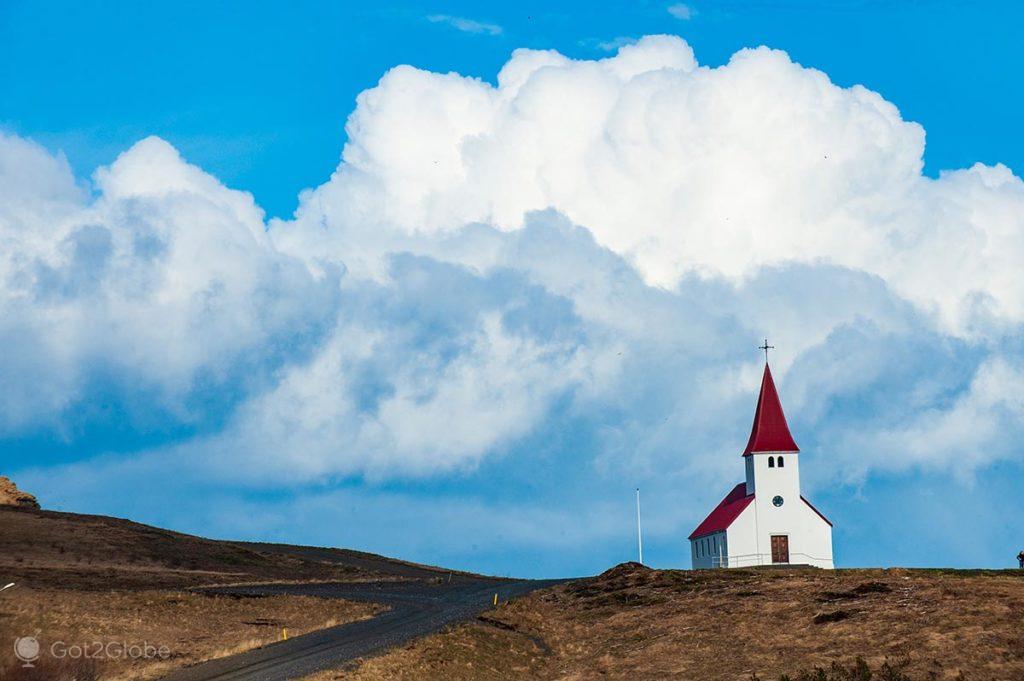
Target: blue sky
258, 94
514, 300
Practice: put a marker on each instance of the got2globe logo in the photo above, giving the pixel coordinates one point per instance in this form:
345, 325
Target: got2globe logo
26, 649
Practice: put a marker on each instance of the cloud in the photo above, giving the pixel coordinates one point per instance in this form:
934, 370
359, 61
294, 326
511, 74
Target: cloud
165, 286
681, 11
558, 279
466, 25
980, 424
685, 170
612, 45
701, 182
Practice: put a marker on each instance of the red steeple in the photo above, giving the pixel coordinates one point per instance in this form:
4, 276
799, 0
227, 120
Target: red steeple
769, 432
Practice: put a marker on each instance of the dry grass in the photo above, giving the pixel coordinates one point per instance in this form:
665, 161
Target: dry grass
478, 651
193, 627
636, 623
65, 550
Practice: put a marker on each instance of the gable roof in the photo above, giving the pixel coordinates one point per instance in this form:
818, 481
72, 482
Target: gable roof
770, 432
820, 514
727, 511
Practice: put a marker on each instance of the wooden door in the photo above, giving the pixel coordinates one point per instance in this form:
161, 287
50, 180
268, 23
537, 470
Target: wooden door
780, 548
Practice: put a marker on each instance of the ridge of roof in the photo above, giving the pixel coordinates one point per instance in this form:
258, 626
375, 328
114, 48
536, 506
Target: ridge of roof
727, 511
813, 508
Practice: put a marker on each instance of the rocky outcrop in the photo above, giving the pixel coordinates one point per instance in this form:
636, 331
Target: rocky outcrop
10, 495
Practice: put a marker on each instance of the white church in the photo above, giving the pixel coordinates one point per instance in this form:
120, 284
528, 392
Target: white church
765, 520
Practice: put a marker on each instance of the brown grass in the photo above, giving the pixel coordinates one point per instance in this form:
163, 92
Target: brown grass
193, 627
633, 623
65, 550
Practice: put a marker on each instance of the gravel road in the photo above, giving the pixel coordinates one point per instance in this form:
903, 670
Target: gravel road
416, 608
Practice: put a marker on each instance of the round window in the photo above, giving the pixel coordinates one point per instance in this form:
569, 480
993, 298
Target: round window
778, 501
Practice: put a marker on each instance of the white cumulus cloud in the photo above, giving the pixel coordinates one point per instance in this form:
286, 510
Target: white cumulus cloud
584, 252
161, 285
681, 169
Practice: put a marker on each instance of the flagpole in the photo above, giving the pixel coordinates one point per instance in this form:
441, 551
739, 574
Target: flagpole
639, 536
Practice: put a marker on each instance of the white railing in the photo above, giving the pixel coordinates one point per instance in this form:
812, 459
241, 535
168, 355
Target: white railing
755, 559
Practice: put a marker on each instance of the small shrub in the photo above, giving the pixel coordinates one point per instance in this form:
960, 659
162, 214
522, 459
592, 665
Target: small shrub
858, 671
872, 588
837, 616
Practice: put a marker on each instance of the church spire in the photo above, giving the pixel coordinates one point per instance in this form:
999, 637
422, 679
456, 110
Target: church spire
770, 433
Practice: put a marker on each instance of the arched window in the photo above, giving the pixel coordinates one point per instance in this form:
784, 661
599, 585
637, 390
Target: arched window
781, 462
771, 462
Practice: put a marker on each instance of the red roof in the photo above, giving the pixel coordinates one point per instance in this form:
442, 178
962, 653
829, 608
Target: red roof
770, 433
726, 512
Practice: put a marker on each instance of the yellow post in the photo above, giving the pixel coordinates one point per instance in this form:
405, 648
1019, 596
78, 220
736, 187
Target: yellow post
495, 597
284, 634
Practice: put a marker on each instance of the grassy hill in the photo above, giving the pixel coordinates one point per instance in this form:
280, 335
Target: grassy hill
69, 550
84, 578
81, 575
737, 625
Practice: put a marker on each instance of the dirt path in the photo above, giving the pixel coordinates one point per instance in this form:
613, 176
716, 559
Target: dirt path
416, 609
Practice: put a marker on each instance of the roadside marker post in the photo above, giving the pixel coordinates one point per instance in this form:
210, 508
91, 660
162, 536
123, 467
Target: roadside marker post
495, 597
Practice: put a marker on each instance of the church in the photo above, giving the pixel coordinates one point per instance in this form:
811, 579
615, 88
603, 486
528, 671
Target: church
765, 520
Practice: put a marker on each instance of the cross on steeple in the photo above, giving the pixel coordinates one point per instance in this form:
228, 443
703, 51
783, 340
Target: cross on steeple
766, 348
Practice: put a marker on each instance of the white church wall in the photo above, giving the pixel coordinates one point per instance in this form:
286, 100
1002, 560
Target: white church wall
784, 480
810, 537
709, 551
794, 518
818, 535
743, 540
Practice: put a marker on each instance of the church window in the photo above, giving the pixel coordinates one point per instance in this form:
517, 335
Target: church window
781, 462
771, 462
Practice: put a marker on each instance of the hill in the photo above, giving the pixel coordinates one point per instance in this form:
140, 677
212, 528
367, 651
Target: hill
737, 625
70, 550
86, 578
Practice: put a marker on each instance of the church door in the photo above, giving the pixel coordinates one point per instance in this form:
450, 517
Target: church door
780, 548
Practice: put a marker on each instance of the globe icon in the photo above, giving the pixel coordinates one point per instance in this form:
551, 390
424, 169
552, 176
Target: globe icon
26, 648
